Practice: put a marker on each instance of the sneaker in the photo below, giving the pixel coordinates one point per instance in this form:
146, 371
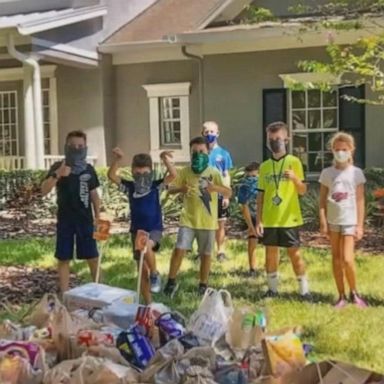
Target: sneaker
341, 303
221, 257
358, 301
171, 288
202, 288
270, 294
252, 273
155, 281
307, 297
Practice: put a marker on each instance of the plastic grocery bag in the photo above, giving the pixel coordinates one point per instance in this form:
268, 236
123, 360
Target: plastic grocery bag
43, 310
211, 319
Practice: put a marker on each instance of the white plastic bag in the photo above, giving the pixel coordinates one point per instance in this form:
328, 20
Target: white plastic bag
211, 319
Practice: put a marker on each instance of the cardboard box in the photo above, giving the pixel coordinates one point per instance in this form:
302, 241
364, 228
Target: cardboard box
94, 295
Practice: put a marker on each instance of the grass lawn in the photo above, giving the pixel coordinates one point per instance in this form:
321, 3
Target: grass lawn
349, 335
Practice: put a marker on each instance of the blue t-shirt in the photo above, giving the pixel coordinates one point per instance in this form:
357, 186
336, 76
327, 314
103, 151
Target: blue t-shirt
145, 210
247, 193
221, 159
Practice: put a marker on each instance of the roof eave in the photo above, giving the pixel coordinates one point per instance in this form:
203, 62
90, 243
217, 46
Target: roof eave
122, 47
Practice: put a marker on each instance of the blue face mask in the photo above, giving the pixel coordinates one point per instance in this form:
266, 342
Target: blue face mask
211, 138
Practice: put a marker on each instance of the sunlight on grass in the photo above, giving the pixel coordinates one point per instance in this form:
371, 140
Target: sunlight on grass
350, 335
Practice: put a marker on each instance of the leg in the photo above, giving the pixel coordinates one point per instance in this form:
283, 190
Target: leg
205, 268
298, 264
145, 285
348, 256
150, 257
271, 266
337, 261
205, 242
220, 236
176, 260
63, 271
92, 264
251, 253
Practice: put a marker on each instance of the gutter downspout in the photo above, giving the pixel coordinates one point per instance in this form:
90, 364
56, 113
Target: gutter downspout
200, 62
34, 135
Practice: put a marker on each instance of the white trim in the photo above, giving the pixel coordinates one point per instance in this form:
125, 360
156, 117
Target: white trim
308, 79
17, 73
51, 45
61, 19
218, 9
54, 122
170, 89
181, 91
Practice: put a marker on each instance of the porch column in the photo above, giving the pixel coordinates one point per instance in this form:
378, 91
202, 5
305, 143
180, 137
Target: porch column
29, 125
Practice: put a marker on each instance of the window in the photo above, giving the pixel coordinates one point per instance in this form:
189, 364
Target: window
169, 119
170, 122
9, 125
46, 121
314, 117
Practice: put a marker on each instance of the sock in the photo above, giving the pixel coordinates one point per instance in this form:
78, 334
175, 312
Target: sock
303, 284
273, 281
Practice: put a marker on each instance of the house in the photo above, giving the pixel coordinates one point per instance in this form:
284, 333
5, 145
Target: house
52, 79
180, 62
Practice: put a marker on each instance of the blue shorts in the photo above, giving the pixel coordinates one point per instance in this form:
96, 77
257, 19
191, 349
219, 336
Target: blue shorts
67, 231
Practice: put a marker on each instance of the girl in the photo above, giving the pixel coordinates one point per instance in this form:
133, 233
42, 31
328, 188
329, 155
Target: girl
342, 214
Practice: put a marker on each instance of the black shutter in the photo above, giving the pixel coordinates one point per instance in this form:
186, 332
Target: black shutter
352, 119
274, 109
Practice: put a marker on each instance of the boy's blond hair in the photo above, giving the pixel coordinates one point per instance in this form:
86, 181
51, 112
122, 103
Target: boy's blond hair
343, 137
210, 124
276, 126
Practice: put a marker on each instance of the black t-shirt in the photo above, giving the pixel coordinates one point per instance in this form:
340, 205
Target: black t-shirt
74, 194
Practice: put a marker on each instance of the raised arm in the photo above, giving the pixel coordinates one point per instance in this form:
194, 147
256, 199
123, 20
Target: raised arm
166, 157
54, 175
112, 171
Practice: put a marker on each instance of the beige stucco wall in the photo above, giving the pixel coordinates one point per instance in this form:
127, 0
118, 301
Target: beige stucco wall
233, 96
79, 99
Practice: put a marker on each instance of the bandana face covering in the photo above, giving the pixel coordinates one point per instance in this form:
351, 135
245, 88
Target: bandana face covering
199, 162
142, 183
76, 158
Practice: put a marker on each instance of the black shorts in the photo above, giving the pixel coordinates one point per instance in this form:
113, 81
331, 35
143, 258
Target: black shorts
222, 212
69, 231
282, 237
155, 236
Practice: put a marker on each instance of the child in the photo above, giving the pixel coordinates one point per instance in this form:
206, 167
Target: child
246, 196
144, 201
76, 183
342, 214
200, 185
281, 181
221, 159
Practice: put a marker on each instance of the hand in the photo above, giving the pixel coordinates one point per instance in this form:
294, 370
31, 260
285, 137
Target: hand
166, 155
260, 230
225, 203
324, 229
63, 170
252, 231
359, 232
118, 153
289, 173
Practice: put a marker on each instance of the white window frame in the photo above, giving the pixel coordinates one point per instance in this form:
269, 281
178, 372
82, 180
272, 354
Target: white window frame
7, 94
47, 72
154, 93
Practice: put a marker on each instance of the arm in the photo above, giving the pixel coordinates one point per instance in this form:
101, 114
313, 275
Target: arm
112, 171
50, 182
166, 157
221, 189
247, 217
360, 202
96, 202
260, 202
323, 209
175, 190
296, 176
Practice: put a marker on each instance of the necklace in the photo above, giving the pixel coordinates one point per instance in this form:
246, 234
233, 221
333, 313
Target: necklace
276, 199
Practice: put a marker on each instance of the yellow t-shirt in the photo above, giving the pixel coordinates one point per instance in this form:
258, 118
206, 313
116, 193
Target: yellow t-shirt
199, 207
288, 213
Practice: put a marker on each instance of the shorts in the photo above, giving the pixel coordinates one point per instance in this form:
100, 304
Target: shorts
66, 233
281, 237
343, 229
205, 239
222, 213
155, 236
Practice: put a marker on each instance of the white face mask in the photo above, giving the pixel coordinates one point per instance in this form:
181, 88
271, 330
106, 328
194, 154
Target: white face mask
342, 156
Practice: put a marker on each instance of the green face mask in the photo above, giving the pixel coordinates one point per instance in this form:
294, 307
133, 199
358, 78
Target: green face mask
199, 162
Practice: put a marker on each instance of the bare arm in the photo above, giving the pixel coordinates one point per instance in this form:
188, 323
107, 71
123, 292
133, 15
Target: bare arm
323, 209
360, 202
49, 183
166, 157
112, 171
301, 187
221, 189
260, 202
247, 216
96, 203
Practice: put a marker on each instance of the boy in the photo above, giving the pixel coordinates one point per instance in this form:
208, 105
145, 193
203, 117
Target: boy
76, 183
221, 159
144, 201
246, 196
281, 181
200, 185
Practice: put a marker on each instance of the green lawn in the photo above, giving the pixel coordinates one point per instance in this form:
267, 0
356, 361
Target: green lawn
349, 335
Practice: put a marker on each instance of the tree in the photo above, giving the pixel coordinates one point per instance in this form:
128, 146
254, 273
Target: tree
362, 61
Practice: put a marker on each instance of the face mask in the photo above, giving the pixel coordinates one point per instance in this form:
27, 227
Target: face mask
76, 158
342, 156
199, 162
277, 145
250, 180
142, 183
211, 138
